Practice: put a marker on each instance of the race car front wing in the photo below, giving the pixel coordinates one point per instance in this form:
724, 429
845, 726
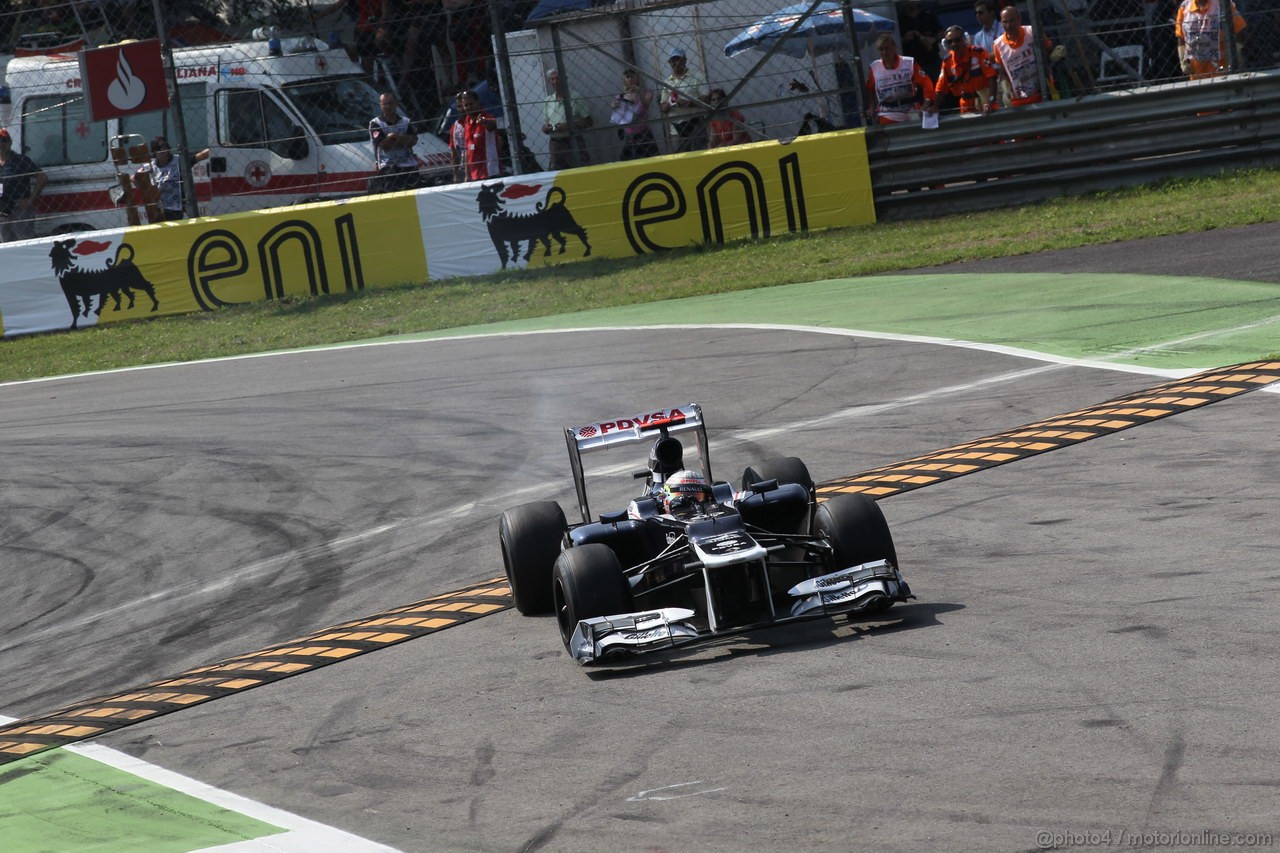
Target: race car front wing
869, 586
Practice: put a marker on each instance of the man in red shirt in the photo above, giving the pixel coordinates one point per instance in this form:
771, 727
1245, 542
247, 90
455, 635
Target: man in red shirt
725, 125
893, 84
968, 74
473, 141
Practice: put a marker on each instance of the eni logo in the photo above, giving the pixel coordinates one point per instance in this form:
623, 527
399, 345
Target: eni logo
220, 255
656, 197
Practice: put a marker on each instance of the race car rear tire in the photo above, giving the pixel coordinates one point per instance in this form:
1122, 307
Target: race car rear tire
587, 582
784, 469
856, 529
531, 536
788, 519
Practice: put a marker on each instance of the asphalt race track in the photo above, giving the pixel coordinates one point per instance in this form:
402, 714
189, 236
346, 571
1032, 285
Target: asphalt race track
1094, 649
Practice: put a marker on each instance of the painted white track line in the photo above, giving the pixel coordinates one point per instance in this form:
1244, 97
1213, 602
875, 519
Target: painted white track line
1097, 364
300, 836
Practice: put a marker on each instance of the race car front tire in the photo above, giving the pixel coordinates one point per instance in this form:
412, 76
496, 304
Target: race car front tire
857, 531
531, 536
587, 582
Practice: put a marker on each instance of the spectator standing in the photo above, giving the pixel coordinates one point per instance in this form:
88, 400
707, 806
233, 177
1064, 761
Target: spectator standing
725, 125
1015, 55
473, 141
167, 177
968, 75
921, 33
393, 139
989, 26
1202, 42
566, 116
21, 183
989, 29
896, 85
630, 112
682, 103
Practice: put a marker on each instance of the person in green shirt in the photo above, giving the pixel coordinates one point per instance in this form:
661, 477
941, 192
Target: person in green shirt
566, 116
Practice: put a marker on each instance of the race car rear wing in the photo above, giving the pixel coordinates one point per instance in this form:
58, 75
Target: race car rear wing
635, 429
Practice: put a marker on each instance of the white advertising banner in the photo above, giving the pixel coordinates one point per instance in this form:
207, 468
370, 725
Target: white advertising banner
487, 226
66, 283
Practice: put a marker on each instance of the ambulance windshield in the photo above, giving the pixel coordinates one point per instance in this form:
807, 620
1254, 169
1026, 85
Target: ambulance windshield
338, 110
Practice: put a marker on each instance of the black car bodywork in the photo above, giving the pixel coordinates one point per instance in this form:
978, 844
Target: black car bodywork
640, 580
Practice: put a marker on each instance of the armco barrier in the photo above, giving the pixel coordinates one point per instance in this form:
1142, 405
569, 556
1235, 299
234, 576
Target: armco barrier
1056, 148
617, 210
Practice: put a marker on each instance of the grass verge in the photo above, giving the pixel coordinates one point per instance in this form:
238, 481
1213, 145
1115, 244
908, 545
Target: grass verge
1174, 207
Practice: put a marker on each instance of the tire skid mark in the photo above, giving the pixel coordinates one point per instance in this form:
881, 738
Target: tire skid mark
109, 713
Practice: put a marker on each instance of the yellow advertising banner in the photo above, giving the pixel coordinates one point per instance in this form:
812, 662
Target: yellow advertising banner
617, 210
273, 254
626, 209
750, 191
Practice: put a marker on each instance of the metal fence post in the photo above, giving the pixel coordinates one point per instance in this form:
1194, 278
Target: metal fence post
860, 81
189, 205
566, 101
1227, 22
510, 110
1037, 47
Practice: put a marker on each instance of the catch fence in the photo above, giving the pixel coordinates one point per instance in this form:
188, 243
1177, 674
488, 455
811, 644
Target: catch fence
277, 94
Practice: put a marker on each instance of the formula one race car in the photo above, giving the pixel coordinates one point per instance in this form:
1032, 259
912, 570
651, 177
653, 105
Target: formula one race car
691, 558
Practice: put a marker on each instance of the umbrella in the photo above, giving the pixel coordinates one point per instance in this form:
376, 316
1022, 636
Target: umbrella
822, 32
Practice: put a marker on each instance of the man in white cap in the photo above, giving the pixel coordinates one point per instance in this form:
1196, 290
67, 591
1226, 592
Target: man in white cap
684, 95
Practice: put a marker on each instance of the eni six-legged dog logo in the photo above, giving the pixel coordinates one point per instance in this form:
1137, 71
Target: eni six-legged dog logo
119, 275
549, 218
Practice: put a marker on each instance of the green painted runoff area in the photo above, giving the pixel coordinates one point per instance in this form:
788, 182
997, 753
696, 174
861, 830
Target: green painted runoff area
63, 802
1144, 320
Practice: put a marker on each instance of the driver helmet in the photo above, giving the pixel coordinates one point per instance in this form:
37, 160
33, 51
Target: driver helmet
684, 493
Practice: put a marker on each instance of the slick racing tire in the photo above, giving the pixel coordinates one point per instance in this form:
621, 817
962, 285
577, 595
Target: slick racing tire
587, 582
784, 469
531, 536
858, 533
856, 529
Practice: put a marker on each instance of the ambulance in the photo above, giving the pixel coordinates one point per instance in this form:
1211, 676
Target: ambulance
285, 121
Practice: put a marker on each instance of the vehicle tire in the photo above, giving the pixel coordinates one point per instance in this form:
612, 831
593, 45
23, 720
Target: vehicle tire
587, 582
531, 536
784, 469
858, 533
856, 529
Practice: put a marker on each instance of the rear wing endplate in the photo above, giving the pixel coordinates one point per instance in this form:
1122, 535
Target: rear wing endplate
604, 435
